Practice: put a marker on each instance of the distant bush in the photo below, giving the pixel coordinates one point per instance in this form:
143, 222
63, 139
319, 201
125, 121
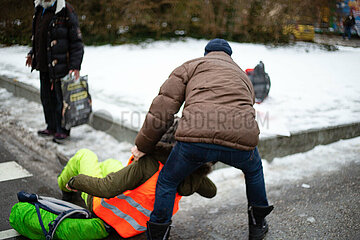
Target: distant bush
124, 21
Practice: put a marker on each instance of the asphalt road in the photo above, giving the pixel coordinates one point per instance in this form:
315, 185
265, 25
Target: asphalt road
329, 209
12, 151
43, 169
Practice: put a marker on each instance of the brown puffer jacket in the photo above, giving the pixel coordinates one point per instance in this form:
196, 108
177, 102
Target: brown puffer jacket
218, 109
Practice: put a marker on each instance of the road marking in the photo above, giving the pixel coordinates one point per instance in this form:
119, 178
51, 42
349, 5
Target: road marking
8, 234
12, 170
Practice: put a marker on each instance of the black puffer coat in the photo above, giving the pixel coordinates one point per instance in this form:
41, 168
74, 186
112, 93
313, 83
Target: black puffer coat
65, 48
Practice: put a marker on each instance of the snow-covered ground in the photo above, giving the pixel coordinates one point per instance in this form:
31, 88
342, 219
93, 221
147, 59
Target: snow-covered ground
311, 87
293, 170
289, 169
29, 117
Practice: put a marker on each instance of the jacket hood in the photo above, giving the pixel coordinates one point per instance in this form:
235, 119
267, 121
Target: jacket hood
60, 4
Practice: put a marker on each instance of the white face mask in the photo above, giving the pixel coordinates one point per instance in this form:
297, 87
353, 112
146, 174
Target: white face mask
47, 4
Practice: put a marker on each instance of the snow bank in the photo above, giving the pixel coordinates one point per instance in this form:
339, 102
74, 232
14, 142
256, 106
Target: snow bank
229, 181
311, 87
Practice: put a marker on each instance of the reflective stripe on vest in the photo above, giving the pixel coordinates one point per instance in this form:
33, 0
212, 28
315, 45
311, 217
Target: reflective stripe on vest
128, 213
136, 205
122, 215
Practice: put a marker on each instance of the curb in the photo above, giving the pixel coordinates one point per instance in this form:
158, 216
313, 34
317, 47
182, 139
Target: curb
303, 141
98, 120
269, 148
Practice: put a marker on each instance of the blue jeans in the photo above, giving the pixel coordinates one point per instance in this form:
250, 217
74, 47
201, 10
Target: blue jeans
187, 157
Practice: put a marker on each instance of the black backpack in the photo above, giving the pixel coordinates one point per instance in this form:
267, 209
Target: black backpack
260, 80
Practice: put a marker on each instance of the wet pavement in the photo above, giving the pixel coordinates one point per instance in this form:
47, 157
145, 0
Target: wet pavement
326, 207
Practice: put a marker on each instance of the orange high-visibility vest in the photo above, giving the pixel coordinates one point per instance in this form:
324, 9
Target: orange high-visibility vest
128, 212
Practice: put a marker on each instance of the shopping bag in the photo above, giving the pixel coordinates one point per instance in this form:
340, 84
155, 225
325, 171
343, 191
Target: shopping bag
77, 105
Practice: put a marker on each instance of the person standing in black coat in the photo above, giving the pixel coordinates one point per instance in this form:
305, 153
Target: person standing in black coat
57, 49
348, 23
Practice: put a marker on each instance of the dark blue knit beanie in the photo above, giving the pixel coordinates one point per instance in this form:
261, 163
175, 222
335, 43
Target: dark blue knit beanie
218, 44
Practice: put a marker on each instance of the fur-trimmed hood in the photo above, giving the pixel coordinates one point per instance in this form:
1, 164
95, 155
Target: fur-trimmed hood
60, 4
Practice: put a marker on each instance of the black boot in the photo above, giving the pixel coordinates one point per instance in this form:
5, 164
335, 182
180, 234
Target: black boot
258, 226
158, 231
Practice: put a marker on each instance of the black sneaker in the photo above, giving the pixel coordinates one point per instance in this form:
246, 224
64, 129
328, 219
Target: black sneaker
61, 137
46, 133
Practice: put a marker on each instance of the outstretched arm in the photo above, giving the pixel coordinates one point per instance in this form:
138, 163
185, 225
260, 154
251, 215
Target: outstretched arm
115, 183
161, 113
76, 46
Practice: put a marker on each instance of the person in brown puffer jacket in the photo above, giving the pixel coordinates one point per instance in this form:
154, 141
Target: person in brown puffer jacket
217, 124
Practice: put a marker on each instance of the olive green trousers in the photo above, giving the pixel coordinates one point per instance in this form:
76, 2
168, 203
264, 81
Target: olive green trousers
86, 162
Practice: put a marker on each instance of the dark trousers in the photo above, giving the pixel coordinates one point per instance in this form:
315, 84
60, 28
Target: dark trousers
52, 102
347, 32
187, 157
